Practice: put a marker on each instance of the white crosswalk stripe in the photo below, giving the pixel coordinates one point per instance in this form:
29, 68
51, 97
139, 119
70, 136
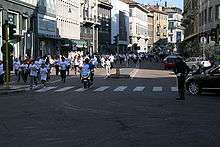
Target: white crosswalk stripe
45, 89
103, 88
80, 90
139, 88
174, 89
157, 89
120, 88
64, 89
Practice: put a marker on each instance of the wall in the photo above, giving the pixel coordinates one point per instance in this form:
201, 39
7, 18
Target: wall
68, 18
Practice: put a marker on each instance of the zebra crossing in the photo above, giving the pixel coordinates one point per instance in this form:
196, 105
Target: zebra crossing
106, 88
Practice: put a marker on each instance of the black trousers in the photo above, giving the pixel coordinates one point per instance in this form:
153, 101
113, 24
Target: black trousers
63, 75
181, 86
1, 79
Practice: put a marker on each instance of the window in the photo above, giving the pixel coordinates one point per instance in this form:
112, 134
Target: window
170, 16
210, 14
171, 25
205, 16
24, 23
217, 12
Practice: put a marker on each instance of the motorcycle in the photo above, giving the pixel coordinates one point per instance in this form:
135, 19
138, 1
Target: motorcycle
86, 79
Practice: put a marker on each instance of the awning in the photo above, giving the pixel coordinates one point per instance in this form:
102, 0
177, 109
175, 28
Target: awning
79, 43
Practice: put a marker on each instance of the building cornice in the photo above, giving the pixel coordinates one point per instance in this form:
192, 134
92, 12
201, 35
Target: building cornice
22, 4
105, 4
135, 4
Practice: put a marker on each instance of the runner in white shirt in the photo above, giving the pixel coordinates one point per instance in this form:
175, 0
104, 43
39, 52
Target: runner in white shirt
76, 63
43, 74
16, 66
108, 67
24, 71
33, 74
1, 73
63, 67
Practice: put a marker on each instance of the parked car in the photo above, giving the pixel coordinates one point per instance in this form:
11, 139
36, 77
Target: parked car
207, 81
193, 62
170, 61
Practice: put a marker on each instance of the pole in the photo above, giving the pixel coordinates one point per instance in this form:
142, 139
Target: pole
7, 58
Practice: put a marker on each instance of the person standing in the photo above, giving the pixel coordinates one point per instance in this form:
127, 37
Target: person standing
63, 68
108, 67
16, 67
181, 71
43, 74
33, 74
1, 73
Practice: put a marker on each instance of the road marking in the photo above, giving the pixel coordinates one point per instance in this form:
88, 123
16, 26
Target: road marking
157, 89
140, 88
174, 89
80, 90
103, 88
120, 88
64, 89
45, 89
134, 73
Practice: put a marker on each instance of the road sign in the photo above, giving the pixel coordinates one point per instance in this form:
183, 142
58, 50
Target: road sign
203, 40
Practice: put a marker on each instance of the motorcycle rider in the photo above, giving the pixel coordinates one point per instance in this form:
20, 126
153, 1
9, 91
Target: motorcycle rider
88, 67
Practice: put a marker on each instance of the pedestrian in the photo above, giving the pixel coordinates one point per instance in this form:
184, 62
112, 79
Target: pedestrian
48, 66
56, 65
108, 67
181, 71
33, 74
76, 63
24, 71
16, 67
1, 73
63, 68
43, 74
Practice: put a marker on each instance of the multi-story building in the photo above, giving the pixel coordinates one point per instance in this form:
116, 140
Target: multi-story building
191, 20
89, 25
104, 34
19, 13
46, 32
68, 23
209, 18
160, 22
150, 20
68, 18
120, 24
138, 25
175, 30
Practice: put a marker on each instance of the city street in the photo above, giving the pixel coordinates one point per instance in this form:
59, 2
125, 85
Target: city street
140, 111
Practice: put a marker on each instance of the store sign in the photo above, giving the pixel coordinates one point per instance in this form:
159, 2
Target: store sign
47, 25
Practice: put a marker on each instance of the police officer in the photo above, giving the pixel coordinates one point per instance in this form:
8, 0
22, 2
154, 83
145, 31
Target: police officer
181, 71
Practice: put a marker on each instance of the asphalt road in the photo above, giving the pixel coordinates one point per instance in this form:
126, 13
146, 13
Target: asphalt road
137, 112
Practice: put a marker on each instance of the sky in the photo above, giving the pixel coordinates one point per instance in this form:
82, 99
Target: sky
177, 3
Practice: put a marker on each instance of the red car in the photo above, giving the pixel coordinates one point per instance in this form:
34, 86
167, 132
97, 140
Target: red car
170, 62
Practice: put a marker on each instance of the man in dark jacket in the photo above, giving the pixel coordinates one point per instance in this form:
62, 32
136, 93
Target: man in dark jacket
181, 71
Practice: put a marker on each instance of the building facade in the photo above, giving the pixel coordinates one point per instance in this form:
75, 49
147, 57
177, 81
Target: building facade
209, 18
175, 30
104, 33
46, 33
19, 13
138, 25
160, 22
120, 25
68, 18
89, 25
191, 19
150, 20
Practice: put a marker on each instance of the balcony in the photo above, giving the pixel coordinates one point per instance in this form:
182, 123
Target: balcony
88, 21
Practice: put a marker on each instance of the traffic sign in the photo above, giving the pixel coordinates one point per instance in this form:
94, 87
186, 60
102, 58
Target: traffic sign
203, 40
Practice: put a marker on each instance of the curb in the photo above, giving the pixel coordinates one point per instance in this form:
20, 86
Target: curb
7, 92
114, 76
